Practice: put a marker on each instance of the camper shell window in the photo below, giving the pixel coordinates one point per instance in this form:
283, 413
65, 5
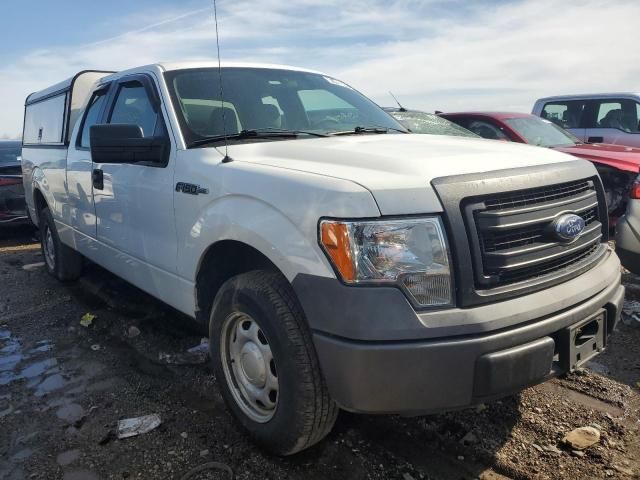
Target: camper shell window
51, 114
44, 121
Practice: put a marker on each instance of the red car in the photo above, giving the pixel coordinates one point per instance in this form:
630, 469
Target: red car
618, 165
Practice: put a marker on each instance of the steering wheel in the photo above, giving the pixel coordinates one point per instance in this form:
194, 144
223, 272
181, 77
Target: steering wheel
327, 123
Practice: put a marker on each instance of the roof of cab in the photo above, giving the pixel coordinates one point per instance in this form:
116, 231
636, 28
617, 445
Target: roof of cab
588, 96
165, 66
169, 66
496, 115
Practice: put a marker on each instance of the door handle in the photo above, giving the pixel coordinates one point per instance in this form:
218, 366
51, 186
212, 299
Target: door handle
595, 139
97, 178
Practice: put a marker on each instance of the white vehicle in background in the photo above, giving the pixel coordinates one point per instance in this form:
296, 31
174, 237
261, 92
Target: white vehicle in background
596, 118
336, 260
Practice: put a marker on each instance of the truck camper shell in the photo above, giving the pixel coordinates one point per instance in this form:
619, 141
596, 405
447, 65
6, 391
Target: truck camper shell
50, 114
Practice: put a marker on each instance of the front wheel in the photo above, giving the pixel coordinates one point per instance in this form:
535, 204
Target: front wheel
61, 261
266, 364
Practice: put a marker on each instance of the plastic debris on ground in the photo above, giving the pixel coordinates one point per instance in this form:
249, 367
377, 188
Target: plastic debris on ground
193, 356
130, 427
32, 266
87, 319
631, 313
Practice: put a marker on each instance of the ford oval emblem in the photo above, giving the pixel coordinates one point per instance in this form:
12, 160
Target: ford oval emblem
568, 227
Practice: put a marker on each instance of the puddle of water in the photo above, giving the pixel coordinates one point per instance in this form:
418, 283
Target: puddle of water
101, 385
22, 455
11, 348
43, 346
50, 384
68, 457
38, 368
80, 475
8, 362
7, 411
71, 413
12, 358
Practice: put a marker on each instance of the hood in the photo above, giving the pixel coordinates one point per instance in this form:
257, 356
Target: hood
396, 168
617, 156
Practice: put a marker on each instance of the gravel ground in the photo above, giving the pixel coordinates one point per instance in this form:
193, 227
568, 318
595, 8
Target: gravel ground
64, 386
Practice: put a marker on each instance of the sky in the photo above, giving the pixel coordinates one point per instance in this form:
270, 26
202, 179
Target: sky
449, 55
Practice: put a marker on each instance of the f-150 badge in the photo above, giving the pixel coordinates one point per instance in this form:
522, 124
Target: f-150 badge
191, 189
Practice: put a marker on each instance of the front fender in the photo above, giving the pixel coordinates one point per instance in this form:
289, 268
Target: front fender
262, 226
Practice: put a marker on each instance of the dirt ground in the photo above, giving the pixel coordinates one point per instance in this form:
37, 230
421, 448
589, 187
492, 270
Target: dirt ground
64, 386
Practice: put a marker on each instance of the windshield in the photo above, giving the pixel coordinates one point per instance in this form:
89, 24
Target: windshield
268, 99
422, 122
9, 152
541, 132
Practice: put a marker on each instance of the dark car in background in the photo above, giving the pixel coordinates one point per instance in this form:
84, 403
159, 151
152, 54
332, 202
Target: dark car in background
427, 123
617, 165
13, 209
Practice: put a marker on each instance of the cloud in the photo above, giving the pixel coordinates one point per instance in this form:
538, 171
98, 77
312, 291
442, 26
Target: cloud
433, 54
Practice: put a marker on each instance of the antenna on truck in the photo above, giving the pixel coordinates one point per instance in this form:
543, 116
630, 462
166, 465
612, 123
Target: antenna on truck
226, 158
402, 109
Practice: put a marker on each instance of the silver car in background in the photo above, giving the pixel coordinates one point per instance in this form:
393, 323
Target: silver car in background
596, 118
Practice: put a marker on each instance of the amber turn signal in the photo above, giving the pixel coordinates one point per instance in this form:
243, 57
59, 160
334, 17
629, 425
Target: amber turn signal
335, 240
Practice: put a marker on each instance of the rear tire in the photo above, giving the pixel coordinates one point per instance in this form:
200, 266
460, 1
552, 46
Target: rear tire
266, 365
61, 261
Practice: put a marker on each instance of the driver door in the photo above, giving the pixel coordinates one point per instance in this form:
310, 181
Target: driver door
134, 201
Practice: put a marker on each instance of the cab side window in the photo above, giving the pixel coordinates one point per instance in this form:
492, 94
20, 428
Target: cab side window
564, 114
621, 114
91, 116
132, 106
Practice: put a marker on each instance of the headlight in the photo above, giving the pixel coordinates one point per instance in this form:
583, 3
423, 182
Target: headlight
411, 253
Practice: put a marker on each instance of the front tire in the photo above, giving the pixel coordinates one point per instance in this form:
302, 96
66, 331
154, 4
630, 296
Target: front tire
61, 261
266, 365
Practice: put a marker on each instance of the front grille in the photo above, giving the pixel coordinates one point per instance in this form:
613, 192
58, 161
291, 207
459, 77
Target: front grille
564, 263
534, 196
512, 238
494, 242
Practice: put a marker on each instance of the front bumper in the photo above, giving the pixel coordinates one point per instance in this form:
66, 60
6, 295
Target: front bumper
460, 357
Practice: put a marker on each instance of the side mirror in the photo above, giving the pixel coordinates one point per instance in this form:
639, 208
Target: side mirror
124, 143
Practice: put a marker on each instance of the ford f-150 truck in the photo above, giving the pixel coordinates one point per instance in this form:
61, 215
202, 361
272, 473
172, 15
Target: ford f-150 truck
336, 260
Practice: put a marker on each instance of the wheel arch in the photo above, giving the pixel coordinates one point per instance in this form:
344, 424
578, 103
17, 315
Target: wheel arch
220, 262
39, 202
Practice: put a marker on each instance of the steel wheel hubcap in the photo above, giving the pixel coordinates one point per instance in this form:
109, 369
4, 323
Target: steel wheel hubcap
249, 367
49, 249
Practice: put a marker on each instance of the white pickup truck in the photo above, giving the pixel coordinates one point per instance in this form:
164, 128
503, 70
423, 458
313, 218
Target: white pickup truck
337, 260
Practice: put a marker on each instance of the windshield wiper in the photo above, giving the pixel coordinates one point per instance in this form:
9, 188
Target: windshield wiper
372, 129
255, 133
